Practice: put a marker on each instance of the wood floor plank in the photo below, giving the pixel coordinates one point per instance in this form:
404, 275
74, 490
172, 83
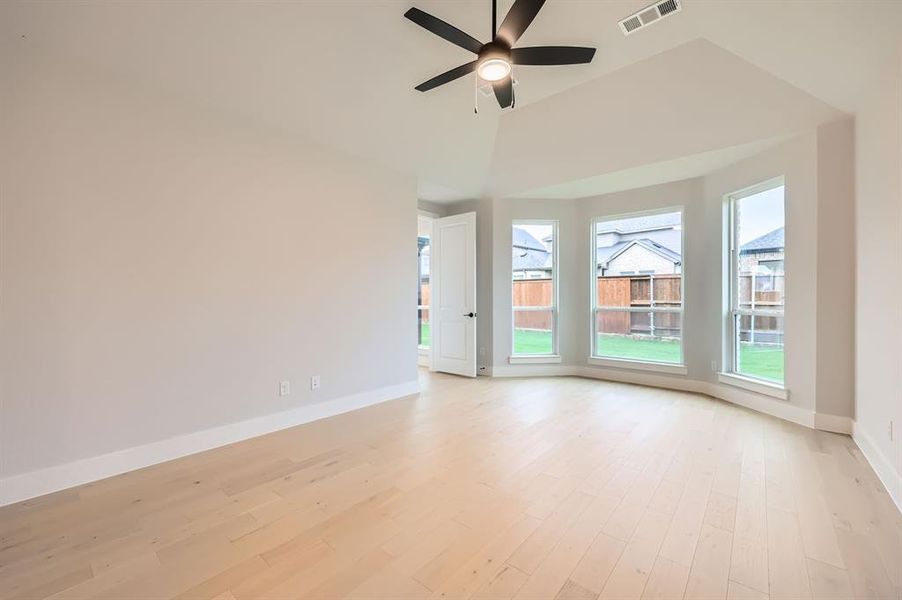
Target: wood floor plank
827, 581
667, 580
787, 568
557, 488
555, 569
505, 584
749, 554
534, 550
710, 573
737, 591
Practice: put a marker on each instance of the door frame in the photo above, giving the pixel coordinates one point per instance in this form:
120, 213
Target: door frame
468, 219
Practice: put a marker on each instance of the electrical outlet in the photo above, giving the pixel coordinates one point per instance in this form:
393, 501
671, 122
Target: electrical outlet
284, 388
314, 382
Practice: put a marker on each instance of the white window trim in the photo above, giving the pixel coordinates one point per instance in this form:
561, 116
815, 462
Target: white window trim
754, 384
595, 359
731, 376
639, 365
535, 359
554, 355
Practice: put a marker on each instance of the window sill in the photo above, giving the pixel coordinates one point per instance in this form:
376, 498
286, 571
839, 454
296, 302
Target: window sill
773, 390
538, 359
638, 365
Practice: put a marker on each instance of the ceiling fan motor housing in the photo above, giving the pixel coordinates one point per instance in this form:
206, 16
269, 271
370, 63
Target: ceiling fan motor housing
495, 49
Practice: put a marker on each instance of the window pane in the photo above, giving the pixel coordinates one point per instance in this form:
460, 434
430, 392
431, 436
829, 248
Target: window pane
760, 234
638, 264
759, 281
641, 258
645, 336
423, 287
533, 332
424, 331
532, 285
759, 351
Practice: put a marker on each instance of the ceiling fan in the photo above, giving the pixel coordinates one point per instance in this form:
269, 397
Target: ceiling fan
495, 59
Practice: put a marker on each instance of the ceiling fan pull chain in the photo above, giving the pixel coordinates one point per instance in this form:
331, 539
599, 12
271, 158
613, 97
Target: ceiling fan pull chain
475, 94
513, 93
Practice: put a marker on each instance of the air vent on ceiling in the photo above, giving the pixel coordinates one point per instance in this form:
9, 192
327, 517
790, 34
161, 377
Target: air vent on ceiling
649, 15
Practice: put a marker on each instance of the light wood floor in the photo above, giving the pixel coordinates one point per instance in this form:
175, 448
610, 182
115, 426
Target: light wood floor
544, 488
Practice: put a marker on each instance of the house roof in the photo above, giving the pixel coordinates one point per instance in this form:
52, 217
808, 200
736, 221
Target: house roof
773, 240
607, 253
524, 239
636, 224
527, 252
523, 259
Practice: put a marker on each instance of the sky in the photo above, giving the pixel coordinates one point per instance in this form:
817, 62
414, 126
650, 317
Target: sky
760, 213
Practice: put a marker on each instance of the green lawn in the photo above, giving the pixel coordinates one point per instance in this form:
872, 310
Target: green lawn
761, 360
621, 346
530, 341
755, 360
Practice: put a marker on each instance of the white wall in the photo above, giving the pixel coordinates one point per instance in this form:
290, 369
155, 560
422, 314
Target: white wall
836, 268
162, 269
818, 175
878, 313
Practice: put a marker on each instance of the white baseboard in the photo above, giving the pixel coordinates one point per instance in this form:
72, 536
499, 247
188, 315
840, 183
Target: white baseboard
44, 481
891, 478
834, 423
763, 403
758, 402
547, 370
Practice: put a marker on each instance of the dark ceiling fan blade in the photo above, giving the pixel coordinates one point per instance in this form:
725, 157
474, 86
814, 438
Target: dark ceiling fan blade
504, 91
517, 20
552, 55
447, 76
444, 30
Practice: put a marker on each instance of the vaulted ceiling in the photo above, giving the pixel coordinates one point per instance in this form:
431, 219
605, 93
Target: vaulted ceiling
716, 82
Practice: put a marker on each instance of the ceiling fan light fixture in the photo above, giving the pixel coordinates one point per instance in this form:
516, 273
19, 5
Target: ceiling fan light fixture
494, 69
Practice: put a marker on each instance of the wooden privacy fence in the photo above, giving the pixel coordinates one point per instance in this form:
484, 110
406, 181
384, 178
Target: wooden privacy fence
629, 291
637, 291
532, 292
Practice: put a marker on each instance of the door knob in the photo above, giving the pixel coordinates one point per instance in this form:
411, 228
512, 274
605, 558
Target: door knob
471, 314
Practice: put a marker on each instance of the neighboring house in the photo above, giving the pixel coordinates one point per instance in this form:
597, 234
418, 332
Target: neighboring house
530, 258
761, 270
639, 246
763, 255
762, 258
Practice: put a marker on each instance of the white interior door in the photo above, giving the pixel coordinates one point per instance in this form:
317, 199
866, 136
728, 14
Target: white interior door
454, 299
